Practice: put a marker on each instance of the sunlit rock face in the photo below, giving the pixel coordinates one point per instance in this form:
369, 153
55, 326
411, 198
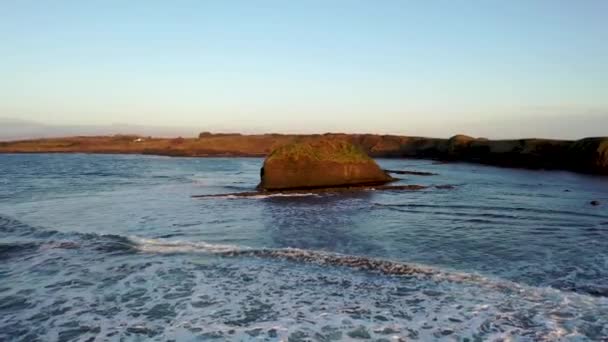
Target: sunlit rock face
320, 163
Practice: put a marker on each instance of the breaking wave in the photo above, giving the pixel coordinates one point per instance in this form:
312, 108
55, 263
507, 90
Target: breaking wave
232, 289
382, 266
32, 240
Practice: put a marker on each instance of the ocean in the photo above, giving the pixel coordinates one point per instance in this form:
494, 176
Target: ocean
114, 248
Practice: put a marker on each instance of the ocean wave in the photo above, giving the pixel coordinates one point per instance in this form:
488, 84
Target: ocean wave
11, 225
383, 266
13, 249
31, 240
291, 254
362, 263
171, 247
495, 208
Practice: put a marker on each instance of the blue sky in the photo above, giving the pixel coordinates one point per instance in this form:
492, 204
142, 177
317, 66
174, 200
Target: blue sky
486, 68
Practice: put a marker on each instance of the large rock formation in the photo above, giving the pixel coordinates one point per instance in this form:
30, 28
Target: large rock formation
320, 163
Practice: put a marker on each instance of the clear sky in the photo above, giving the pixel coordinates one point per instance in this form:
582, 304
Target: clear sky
485, 68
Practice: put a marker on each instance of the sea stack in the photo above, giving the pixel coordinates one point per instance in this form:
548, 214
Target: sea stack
320, 163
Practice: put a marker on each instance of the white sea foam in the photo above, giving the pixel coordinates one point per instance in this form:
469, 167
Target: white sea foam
169, 247
253, 297
323, 258
421, 305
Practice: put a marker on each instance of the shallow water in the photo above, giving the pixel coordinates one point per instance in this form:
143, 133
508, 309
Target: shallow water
112, 247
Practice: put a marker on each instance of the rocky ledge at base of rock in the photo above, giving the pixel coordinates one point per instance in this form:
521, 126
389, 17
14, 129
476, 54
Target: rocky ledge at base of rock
328, 190
408, 172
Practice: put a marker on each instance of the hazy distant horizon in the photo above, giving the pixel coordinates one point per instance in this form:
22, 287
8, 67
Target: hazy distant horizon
494, 69
18, 129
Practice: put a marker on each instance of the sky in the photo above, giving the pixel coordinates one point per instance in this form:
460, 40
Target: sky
496, 69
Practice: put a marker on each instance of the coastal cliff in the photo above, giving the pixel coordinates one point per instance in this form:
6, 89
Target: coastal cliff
588, 155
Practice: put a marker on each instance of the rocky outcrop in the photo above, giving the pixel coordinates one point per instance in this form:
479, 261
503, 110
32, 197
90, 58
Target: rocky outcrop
589, 155
320, 163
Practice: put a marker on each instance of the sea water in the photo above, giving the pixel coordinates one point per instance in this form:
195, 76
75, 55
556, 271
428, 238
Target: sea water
114, 248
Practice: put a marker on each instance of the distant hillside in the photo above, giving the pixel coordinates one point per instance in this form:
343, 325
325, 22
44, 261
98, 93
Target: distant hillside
589, 155
16, 129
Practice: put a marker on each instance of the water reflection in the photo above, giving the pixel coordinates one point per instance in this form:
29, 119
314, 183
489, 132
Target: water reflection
323, 222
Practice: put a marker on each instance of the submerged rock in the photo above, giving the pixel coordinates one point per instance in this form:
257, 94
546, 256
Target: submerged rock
320, 163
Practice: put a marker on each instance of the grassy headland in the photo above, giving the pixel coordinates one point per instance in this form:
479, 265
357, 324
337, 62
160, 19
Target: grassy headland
589, 155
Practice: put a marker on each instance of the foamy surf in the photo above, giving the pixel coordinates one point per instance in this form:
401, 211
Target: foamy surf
291, 254
428, 286
171, 247
322, 258
247, 297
